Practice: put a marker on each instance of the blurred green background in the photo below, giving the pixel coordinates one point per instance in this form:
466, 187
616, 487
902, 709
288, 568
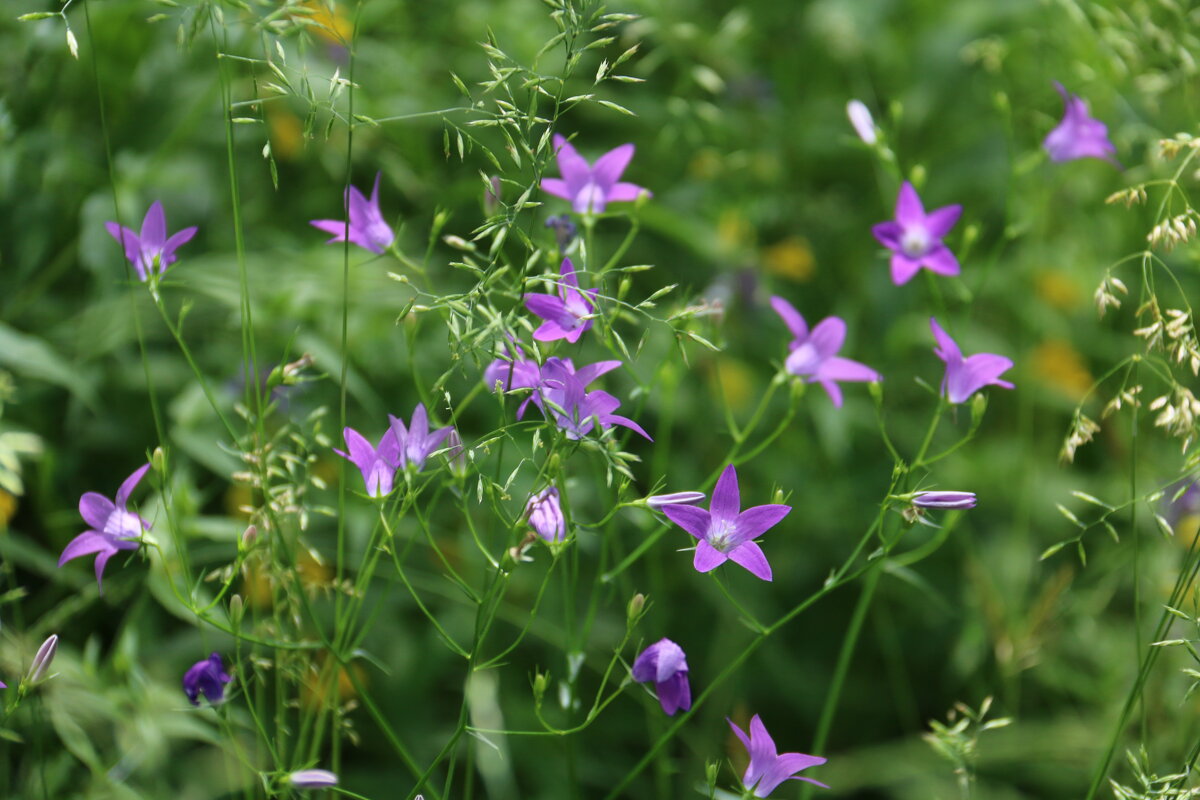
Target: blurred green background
760, 188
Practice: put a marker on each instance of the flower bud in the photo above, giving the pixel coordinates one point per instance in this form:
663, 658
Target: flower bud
944, 499
861, 120
456, 454
43, 659
491, 196
657, 501
158, 460
545, 515
312, 779
634, 610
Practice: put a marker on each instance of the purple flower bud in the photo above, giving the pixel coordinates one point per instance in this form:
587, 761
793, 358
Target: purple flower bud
564, 230
491, 196
41, 661
657, 501
207, 676
456, 454
944, 499
860, 118
545, 515
665, 663
313, 779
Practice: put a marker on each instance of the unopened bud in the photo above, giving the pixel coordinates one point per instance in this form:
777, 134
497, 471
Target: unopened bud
634, 609
978, 407
158, 461
43, 659
312, 779
249, 535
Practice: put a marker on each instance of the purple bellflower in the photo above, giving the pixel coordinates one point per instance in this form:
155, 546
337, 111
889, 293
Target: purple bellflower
378, 465
367, 228
768, 768
514, 371
544, 512
153, 251
1078, 135
725, 532
564, 313
416, 442
664, 663
915, 238
812, 353
966, 376
591, 188
944, 499
113, 526
565, 399
207, 676
312, 779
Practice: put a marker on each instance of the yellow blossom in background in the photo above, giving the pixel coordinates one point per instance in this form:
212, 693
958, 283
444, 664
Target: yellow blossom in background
314, 572
792, 259
238, 501
706, 164
314, 692
735, 234
329, 22
1058, 289
733, 383
286, 131
1186, 529
1058, 364
8, 507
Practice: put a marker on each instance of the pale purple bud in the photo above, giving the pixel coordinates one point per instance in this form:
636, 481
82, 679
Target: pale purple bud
41, 661
313, 779
860, 118
545, 515
456, 454
491, 196
657, 501
944, 499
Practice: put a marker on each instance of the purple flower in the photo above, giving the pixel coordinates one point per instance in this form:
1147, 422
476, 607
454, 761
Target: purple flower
767, 768
564, 313
563, 397
367, 228
43, 659
514, 371
657, 501
664, 663
312, 779
966, 376
860, 118
456, 454
564, 230
207, 676
416, 442
113, 526
811, 354
725, 532
545, 516
153, 248
1078, 135
944, 499
591, 188
378, 465
915, 238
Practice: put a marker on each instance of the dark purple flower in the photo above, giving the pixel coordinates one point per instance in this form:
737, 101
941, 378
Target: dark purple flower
207, 676
564, 313
664, 663
966, 376
312, 779
113, 526
378, 465
564, 230
944, 499
915, 238
768, 768
1078, 135
725, 532
563, 397
544, 512
591, 188
152, 252
367, 228
416, 442
812, 354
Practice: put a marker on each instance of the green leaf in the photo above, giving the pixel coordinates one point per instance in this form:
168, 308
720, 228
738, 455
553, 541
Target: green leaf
32, 357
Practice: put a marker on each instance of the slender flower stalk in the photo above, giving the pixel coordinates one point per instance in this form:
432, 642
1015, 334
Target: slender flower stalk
965, 376
812, 355
915, 238
152, 251
113, 526
725, 532
367, 228
590, 188
665, 664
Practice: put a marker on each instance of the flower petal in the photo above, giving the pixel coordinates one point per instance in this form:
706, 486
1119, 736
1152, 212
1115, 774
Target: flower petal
753, 522
903, 268
572, 166
674, 693
909, 210
941, 220
726, 499
751, 556
708, 557
336, 227
827, 337
95, 509
947, 350
154, 228
791, 317
608, 168
834, 391
557, 187
695, 521
129, 484
129, 240
622, 192
941, 261
889, 234
837, 368
977, 371
84, 544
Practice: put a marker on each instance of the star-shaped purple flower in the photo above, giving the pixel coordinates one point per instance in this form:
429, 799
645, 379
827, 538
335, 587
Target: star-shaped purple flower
153, 251
113, 526
367, 228
591, 188
207, 676
416, 442
768, 768
544, 512
812, 354
664, 663
564, 313
725, 532
915, 238
514, 371
564, 399
966, 376
378, 465
1078, 135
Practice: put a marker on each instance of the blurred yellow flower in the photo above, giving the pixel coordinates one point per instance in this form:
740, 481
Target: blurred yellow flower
733, 382
792, 259
8, 507
1058, 289
734, 232
287, 134
1058, 364
330, 22
314, 692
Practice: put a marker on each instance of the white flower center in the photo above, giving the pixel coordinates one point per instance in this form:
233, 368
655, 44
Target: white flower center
915, 242
123, 525
720, 532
